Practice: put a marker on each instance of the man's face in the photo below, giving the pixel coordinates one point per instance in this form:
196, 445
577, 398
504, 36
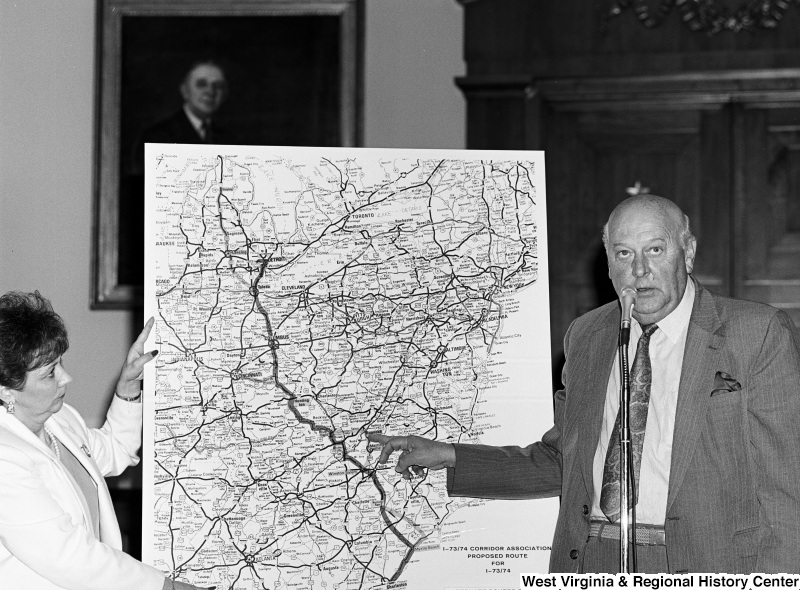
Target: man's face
204, 90
645, 252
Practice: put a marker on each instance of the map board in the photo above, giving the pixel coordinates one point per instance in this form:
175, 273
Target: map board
307, 296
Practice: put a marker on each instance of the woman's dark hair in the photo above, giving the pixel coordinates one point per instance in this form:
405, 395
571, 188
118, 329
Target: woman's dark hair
31, 335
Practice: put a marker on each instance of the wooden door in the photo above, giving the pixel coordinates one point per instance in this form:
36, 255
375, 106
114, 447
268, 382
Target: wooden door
599, 144
766, 233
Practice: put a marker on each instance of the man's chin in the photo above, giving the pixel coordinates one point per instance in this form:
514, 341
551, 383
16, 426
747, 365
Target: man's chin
645, 312
206, 110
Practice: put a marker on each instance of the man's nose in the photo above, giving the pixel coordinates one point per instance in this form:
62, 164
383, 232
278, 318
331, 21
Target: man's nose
640, 267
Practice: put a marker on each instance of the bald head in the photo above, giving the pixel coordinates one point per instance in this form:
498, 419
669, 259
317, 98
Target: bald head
656, 206
650, 248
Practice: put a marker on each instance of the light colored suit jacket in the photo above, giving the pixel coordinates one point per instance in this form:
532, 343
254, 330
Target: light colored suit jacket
734, 488
46, 538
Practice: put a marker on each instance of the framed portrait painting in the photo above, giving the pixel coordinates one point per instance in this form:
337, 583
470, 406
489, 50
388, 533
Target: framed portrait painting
287, 72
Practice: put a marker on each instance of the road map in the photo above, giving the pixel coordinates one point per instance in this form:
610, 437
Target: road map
307, 296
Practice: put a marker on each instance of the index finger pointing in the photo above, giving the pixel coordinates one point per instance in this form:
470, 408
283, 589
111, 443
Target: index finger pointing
377, 437
396, 443
390, 444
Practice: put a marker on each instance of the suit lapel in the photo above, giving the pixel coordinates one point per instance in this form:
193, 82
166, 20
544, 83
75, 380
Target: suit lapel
602, 351
700, 360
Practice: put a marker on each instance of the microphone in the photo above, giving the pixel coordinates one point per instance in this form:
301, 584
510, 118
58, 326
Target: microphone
627, 300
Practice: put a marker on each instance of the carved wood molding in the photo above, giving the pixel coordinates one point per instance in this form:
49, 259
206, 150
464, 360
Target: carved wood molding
707, 16
702, 88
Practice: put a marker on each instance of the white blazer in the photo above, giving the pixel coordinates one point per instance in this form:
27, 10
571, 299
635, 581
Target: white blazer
46, 538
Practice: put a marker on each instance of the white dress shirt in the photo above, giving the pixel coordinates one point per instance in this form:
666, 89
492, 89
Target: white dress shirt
666, 356
198, 123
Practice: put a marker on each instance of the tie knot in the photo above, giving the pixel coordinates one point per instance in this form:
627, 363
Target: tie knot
648, 329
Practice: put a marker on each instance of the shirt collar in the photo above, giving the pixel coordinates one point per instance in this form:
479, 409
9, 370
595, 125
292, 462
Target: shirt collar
674, 325
196, 121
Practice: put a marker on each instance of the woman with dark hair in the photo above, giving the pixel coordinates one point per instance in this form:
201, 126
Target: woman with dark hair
57, 523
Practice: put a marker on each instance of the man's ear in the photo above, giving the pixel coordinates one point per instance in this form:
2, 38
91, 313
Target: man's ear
688, 254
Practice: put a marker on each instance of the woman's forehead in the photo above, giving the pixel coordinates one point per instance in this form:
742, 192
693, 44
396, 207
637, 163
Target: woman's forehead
47, 364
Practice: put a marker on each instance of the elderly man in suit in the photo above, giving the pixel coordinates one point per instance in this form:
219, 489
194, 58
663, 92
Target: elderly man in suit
204, 89
715, 408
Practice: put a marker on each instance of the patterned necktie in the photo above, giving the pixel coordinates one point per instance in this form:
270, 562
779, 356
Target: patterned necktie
641, 377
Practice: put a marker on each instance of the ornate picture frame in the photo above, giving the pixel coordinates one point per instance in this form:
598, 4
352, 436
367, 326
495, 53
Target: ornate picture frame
294, 74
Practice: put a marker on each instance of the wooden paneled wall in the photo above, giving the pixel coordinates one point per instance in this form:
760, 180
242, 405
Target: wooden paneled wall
712, 122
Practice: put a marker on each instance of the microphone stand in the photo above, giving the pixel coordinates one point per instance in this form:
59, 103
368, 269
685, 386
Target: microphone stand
626, 491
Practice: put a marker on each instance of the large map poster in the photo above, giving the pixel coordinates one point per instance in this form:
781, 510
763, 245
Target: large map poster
307, 296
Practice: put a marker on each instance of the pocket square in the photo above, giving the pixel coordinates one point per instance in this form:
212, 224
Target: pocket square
724, 383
